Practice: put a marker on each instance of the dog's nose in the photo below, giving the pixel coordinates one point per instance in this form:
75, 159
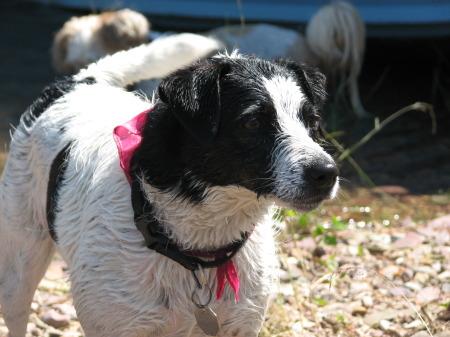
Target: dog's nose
322, 175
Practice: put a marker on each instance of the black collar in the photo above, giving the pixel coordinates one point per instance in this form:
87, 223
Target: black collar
156, 238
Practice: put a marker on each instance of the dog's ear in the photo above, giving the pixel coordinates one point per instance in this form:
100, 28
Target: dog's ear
193, 95
311, 80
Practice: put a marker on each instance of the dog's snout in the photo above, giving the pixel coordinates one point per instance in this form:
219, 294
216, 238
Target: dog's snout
322, 175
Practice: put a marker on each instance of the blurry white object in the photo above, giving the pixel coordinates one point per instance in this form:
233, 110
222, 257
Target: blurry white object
334, 42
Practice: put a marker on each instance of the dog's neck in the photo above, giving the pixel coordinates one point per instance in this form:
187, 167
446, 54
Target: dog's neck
220, 219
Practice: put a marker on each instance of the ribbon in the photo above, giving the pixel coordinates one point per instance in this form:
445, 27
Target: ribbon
128, 137
229, 271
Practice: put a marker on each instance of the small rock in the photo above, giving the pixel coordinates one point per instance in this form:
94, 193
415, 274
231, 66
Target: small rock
359, 310
36, 332
391, 189
437, 266
413, 325
367, 301
55, 319
387, 314
428, 294
444, 276
442, 334
413, 286
3, 331
421, 277
390, 271
410, 240
288, 275
34, 307
400, 291
445, 288
384, 324
407, 275
400, 260
424, 268
300, 327
421, 334
318, 252
444, 315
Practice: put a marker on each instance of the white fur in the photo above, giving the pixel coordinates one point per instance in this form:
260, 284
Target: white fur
295, 149
120, 287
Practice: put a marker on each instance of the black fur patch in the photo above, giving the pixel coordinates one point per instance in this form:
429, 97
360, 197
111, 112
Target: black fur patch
55, 180
48, 96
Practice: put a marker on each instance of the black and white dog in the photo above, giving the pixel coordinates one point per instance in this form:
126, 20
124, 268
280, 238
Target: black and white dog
228, 137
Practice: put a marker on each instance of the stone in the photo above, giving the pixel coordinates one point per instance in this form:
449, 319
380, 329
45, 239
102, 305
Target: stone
421, 277
367, 301
444, 276
427, 295
413, 286
414, 324
55, 319
422, 334
359, 310
410, 240
407, 275
384, 324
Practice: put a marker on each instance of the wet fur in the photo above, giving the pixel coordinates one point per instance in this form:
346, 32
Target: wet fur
208, 174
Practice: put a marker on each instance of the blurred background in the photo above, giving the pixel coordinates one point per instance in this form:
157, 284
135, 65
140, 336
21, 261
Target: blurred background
406, 60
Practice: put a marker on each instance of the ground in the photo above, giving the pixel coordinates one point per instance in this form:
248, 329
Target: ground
346, 267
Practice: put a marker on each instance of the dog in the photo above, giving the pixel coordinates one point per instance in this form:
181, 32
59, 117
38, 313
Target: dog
334, 41
86, 39
162, 208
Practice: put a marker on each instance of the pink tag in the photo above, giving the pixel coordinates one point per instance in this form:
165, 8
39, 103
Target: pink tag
128, 137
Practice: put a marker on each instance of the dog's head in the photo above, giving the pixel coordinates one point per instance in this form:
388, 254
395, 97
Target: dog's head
240, 121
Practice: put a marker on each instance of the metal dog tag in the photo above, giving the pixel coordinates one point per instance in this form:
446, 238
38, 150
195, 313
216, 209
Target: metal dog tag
207, 320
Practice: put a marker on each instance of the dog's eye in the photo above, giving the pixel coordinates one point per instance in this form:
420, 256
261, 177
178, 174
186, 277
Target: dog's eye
252, 124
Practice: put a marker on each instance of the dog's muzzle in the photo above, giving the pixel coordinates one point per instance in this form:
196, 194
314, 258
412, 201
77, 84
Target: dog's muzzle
304, 183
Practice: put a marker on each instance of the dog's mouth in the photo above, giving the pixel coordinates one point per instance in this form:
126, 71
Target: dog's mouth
306, 202
300, 206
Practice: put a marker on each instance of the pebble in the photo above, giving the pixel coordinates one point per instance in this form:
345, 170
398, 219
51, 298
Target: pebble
300, 327
367, 301
385, 324
407, 275
442, 334
413, 286
55, 319
427, 295
400, 291
444, 276
445, 288
422, 334
359, 310
413, 325
421, 277
390, 271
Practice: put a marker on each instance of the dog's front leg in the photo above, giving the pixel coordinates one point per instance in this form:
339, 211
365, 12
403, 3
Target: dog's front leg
23, 262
